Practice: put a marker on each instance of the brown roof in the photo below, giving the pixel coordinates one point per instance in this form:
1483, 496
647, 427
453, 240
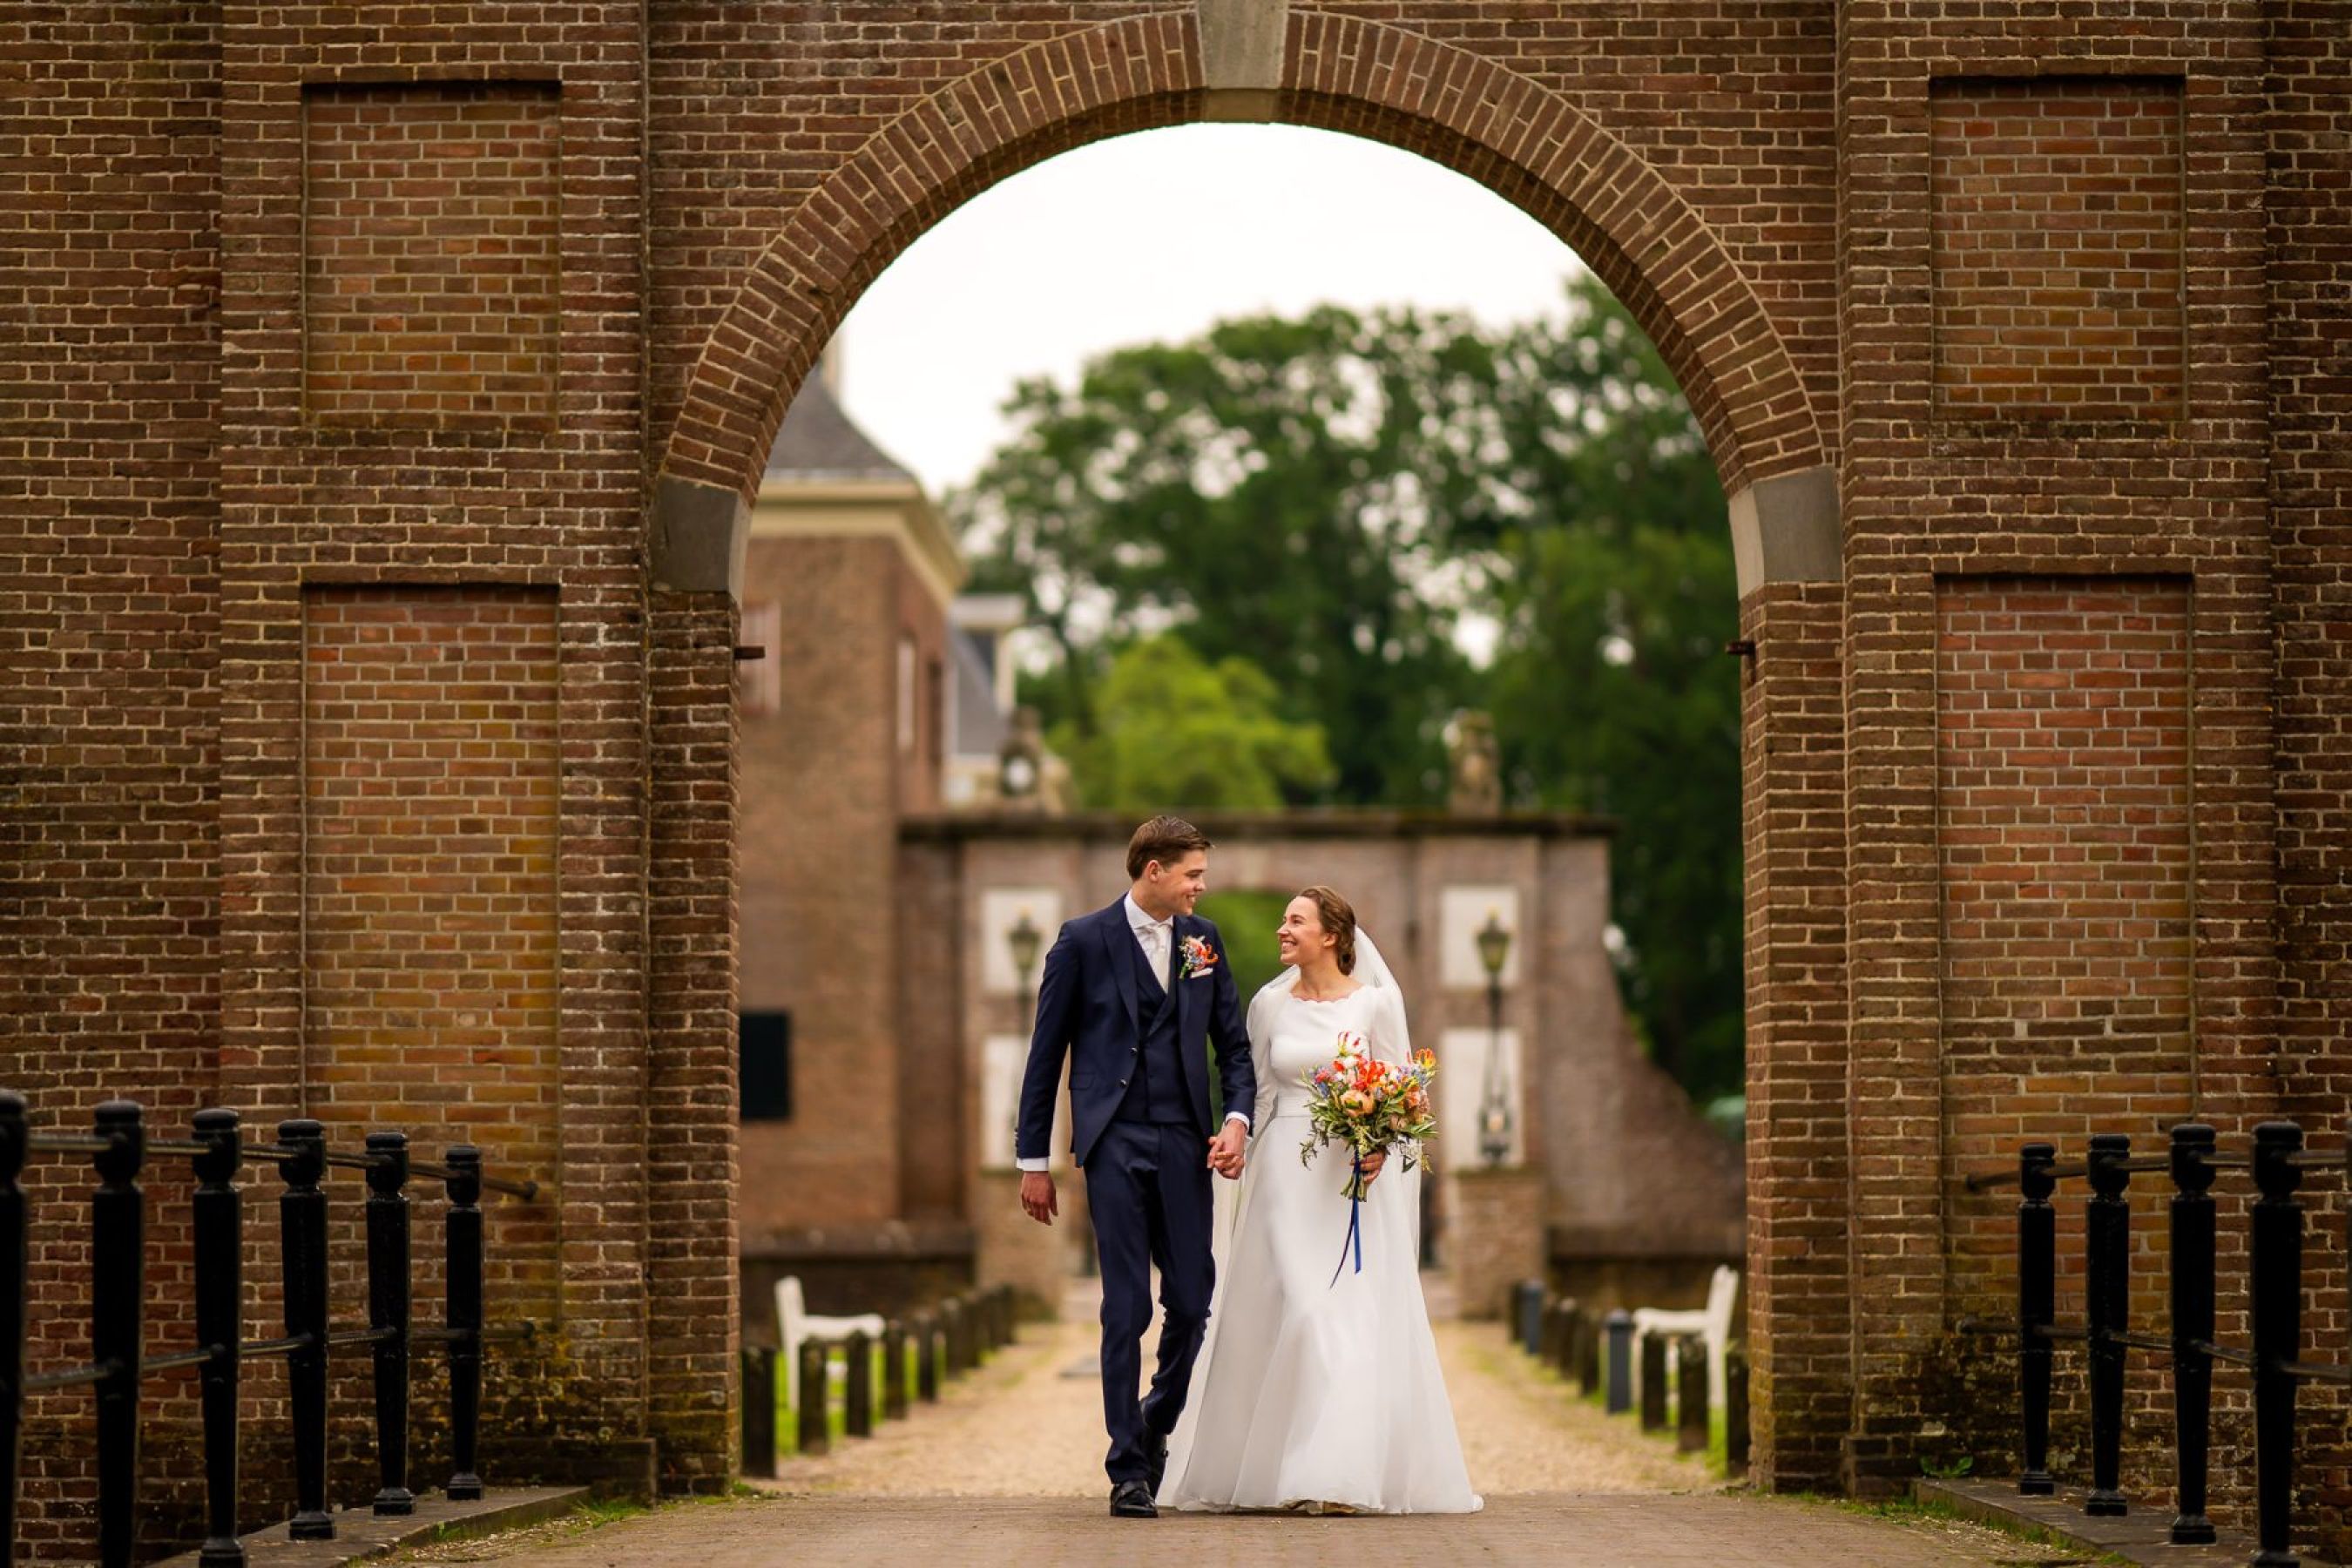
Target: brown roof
817, 441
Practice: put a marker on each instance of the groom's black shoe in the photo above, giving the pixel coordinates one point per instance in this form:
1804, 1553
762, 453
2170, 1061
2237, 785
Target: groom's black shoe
1155, 1455
1132, 1500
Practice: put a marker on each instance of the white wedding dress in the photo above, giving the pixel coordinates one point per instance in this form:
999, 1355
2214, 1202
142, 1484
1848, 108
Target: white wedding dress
1310, 1391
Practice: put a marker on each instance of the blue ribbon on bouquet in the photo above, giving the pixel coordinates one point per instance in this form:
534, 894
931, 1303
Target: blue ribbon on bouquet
1355, 1241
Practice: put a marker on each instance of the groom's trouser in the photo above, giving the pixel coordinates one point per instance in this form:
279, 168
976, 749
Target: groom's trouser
1148, 1194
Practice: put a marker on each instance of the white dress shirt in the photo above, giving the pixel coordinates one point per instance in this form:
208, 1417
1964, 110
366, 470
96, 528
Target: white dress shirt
1153, 936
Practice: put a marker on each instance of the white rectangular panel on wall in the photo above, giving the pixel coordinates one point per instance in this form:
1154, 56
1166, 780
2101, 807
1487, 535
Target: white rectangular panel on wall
1460, 1093
1462, 914
1000, 912
1002, 1057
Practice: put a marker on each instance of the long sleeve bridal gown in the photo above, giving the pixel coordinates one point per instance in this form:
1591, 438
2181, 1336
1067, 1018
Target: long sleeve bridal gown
1311, 1391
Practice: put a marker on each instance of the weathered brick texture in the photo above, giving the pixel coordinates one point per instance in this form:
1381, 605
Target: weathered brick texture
429, 221
199, 438
2057, 248
428, 907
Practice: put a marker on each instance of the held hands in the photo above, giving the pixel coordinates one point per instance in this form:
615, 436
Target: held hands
1038, 1199
1228, 1150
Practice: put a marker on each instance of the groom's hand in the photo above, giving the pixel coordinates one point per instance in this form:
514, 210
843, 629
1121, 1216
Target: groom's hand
1228, 1150
1038, 1199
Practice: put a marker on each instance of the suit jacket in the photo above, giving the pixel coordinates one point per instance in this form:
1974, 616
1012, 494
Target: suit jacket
1089, 1008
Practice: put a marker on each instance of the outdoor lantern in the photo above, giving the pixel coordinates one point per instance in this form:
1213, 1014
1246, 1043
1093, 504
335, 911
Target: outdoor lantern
1494, 945
1024, 939
1494, 1101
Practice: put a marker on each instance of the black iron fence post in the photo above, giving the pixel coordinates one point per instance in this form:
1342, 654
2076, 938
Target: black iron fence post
388, 1296
118, 1224
2192, 1326
858, 1422
926, 1358
815, 1435
302, 1254
464, 1300
1619, 1327
2106, 1241
2277, 1315
1653, 1382
894, 1370
759, 1413
218, 1222
2037, 1301
14, 1261
1690, 1394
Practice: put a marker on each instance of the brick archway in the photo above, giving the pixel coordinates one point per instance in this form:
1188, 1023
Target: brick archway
1640, 233
1527, 143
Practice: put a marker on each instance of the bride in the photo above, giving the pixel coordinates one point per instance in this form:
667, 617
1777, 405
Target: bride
1314, 1392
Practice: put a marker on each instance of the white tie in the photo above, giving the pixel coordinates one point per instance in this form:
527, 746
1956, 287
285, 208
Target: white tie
1155, 942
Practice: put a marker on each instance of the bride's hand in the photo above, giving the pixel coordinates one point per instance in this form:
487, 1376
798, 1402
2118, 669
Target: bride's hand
1373, 1163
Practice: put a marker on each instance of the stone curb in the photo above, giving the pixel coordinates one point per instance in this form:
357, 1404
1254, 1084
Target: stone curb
362, 1535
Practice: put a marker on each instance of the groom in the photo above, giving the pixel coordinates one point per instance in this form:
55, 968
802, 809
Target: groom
1133, 994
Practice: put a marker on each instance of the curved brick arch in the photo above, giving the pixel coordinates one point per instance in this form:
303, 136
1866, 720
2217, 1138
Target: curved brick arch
1526, 142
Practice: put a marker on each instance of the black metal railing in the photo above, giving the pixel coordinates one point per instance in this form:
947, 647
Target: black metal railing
927, 1349
118, 1147
2274, 1358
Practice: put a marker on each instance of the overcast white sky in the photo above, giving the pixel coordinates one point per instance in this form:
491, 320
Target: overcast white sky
1155, 236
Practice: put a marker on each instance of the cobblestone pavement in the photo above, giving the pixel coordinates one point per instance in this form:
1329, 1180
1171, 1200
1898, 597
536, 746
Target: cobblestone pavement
1006, 1467
1627, 1530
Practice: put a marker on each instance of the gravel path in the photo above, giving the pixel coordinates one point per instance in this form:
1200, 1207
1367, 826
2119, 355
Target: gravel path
1020, 1427
1007, 1468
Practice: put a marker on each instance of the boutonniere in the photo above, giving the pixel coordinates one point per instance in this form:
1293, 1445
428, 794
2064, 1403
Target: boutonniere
1199, 957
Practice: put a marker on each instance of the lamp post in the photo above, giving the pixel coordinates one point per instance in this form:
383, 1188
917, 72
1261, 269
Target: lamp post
1495, 1104
1024, 939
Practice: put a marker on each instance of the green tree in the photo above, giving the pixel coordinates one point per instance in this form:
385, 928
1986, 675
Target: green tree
1172, 730
1329, 499
1276, 489
1614, 581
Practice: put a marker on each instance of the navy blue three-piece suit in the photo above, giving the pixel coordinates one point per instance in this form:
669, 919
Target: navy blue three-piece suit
1139, 1123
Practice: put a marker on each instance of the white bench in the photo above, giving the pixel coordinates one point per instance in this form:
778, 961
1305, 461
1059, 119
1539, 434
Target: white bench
1712, 1324
795, 1325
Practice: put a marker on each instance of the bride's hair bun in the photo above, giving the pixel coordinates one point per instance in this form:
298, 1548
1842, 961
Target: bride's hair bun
1338, 917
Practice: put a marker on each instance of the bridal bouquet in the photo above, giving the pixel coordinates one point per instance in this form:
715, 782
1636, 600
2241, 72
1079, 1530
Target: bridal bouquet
1369, 1106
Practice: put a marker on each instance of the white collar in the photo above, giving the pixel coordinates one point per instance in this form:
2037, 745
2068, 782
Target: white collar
1140, 919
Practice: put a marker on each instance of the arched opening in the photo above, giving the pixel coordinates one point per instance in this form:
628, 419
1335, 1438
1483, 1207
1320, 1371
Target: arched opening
1736, 375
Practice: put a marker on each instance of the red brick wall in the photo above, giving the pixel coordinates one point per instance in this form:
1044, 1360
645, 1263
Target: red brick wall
428, 919
2307, 199
2063, 841
691, 1307
2057, 248
429, 221
1757, 180
2064, 760
1928, 498
1799, 1154
109, 622
819, 831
